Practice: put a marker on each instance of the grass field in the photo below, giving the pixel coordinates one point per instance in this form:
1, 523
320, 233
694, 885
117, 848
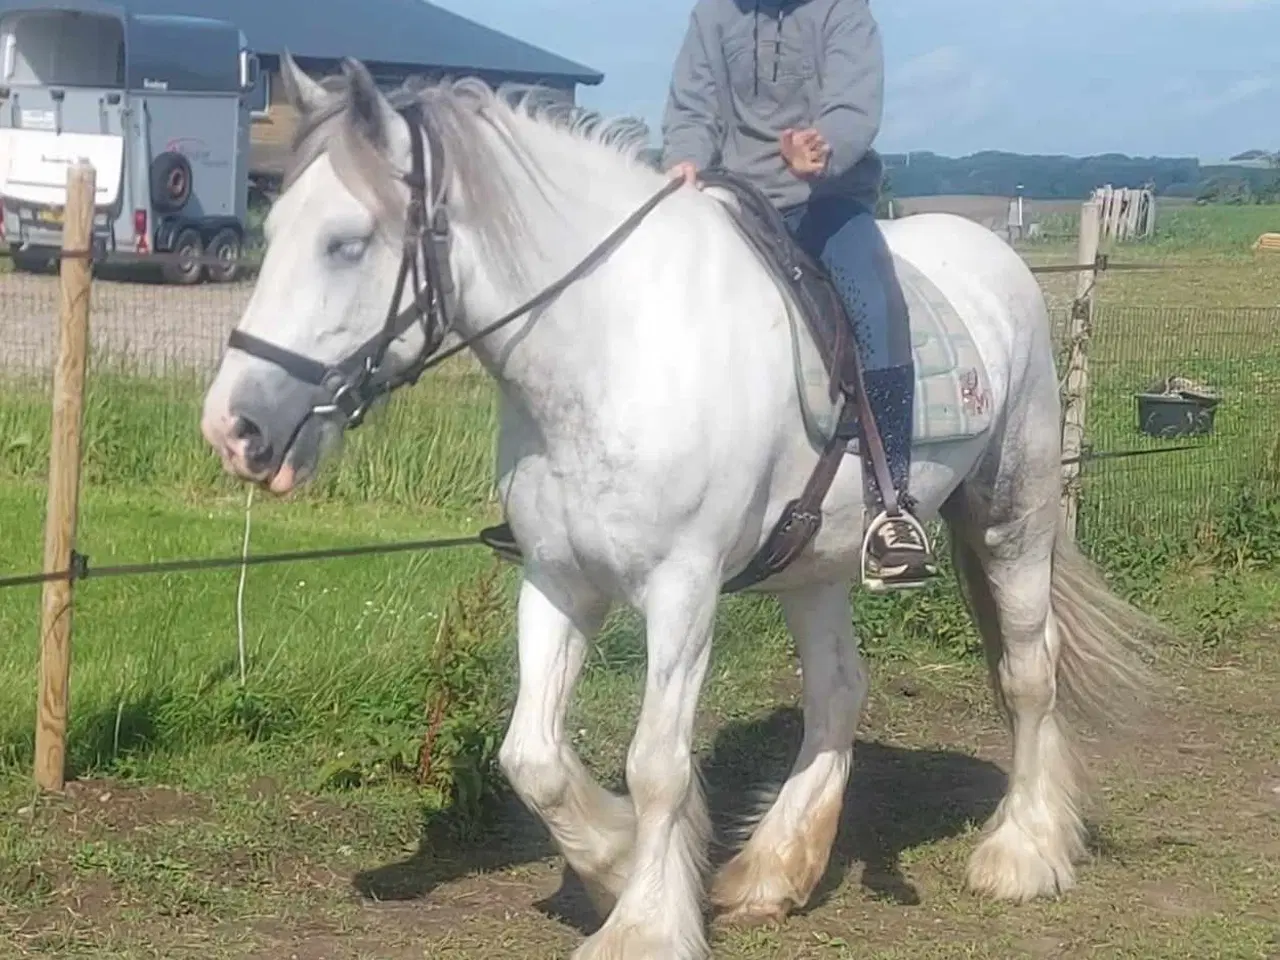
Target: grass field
297, 814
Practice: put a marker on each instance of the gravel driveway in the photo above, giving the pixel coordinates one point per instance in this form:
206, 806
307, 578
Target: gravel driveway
154, 327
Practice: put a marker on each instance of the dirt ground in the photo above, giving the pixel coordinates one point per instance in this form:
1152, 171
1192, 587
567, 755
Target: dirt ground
1185, 863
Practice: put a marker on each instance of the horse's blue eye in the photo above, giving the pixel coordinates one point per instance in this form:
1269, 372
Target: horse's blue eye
350, 249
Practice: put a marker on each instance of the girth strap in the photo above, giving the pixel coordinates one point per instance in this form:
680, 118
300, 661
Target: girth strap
802, 517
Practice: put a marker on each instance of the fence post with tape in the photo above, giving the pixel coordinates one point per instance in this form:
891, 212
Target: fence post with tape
63, 501
1076, 395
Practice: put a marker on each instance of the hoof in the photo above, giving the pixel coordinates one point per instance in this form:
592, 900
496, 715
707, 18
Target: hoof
750, 916
1009, 865
630, 943
744, 895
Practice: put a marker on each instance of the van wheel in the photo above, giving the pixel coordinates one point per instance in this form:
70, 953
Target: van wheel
185, 271
225, 245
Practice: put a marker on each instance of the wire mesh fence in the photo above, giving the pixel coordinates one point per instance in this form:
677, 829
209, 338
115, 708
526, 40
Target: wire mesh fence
1197, 377
149, 329
155, 346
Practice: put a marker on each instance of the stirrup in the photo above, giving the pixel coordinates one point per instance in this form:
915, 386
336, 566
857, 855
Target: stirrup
878, 584
504, 546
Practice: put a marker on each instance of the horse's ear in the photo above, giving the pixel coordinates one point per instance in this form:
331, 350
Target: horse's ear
370, 111
303, 94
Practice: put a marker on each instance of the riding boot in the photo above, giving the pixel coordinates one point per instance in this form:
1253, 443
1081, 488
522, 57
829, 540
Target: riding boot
898, 553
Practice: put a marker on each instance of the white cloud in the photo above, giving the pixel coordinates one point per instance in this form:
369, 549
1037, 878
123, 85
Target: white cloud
1225, 6
936, 94
1238, 91
928, 68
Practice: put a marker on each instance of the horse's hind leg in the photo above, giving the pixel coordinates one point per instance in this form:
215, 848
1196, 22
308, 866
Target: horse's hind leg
787, 854
1004, 557
594, 828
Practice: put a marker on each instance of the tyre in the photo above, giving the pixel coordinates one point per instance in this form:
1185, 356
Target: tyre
170, 182
225, 245
32, 261
185, 272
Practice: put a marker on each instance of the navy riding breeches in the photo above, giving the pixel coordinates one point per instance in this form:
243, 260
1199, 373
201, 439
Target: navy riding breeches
842, 234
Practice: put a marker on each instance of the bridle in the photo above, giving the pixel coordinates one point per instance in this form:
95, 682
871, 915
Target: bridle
354, 383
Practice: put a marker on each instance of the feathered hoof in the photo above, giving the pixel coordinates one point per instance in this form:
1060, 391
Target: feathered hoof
618, 942
745, 894
1009, 865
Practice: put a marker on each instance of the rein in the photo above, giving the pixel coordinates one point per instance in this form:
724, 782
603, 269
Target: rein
358, 380
584, 266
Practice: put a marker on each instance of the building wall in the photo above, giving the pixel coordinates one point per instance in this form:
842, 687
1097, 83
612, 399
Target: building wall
273, 127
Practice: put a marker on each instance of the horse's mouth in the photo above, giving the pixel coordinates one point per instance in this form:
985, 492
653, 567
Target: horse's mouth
300, 460
283, 481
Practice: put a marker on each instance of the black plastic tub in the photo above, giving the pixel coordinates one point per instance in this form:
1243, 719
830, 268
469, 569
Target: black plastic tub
1175, 413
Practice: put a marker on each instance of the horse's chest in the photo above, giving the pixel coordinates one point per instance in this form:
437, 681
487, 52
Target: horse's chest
583, 513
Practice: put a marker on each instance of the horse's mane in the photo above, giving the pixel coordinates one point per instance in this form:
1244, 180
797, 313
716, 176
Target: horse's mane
473, 124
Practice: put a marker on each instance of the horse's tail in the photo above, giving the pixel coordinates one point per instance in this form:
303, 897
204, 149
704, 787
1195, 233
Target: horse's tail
1106, 645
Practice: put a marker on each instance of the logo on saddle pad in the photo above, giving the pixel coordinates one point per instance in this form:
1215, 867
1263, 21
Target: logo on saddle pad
972, 395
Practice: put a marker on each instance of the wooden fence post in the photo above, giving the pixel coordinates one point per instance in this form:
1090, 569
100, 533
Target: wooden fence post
62, 505
1076, 399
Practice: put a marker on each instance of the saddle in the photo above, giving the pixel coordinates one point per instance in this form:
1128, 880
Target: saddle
819, 304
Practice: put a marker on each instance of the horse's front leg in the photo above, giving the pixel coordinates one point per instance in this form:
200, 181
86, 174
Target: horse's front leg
659, 913
593, 828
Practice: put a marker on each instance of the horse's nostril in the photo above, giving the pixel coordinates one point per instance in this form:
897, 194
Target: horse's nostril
257, 451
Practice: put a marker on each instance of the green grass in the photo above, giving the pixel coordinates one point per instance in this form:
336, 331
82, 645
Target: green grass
432, 449
156, 658
243, 853
223, 818
1181, 228
1223, 229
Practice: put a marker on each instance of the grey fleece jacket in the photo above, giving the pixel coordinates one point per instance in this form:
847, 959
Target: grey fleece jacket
749, 69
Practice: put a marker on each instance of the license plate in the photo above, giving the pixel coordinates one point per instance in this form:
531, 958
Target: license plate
49, 216
39, 120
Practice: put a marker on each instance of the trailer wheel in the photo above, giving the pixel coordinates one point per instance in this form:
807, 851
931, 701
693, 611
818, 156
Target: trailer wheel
25, 261
185, 271
225, 245
170, 182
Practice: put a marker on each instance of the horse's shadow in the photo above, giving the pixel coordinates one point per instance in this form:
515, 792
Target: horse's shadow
898, 799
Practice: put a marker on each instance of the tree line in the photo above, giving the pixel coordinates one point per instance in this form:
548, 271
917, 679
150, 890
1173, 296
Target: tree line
1253, 177
1049, 177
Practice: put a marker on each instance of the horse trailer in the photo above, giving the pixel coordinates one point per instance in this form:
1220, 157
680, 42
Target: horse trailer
159, 104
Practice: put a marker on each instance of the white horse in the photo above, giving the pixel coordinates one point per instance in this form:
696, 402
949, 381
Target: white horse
651, 433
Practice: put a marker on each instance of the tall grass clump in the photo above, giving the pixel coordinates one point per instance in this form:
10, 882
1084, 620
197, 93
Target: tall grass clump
429, 445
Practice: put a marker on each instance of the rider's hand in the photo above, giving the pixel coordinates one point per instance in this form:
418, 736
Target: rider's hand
805, 152
685, 170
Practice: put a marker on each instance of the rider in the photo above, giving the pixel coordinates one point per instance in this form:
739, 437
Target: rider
789, 93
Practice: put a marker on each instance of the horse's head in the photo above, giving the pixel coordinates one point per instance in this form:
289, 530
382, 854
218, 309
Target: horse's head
356, 289
365, 276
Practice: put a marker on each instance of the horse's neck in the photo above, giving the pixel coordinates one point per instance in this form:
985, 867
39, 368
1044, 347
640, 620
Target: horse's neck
553, 359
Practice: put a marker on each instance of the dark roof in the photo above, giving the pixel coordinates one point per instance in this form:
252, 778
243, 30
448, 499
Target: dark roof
409, 33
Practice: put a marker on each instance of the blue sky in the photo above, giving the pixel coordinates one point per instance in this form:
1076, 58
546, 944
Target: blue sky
1171, 77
